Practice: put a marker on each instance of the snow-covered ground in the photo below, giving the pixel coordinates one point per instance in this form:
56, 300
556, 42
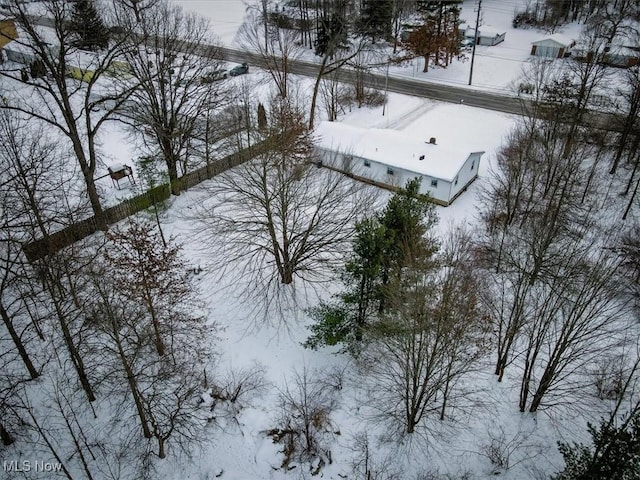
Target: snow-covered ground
242, 451
496, 68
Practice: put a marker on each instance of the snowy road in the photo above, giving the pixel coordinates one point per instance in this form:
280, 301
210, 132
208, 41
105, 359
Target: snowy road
419, 88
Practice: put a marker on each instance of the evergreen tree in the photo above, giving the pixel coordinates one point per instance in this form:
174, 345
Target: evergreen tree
376, 18
615, 454
90, 31
331, 35
383, 246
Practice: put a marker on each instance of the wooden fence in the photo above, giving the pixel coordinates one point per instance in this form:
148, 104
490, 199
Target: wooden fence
75, 232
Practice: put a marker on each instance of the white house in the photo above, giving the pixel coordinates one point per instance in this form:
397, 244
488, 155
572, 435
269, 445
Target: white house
487, 35
389, 159
619, 53
553, 46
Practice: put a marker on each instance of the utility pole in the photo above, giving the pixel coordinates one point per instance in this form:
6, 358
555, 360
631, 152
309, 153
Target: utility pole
386, 88
475, 41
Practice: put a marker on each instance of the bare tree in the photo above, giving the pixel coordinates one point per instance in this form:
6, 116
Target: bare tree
429, 340
67, 105
336, 51
37, 205
304, 421
175, 83
25, 161
614, 442
365, 463
236, 389
577, 313
402, 11
586, 76
277, 47
164, 388
543, 196
153, 275
277, 217
362, 64
629, 95
334, 94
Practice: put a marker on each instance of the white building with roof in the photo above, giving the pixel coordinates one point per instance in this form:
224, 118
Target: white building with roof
390, 159
553, 46
487, 35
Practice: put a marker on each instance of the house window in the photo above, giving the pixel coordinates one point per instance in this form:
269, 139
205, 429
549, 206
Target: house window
389, 171
434, 182
473, 165
367, 163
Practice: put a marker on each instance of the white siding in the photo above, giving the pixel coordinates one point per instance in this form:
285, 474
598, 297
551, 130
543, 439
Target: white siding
547, 51
379, 172
466, 174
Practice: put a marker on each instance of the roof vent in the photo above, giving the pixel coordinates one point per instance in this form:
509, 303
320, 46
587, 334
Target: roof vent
421, 157
432, 140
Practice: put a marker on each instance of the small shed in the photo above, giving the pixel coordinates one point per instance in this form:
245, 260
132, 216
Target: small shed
553, 46
487, 35
389, 159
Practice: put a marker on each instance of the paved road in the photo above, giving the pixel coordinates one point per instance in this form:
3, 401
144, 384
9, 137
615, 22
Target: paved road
446, 93
421, 88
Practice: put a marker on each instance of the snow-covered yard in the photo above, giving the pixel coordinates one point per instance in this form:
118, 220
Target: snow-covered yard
464, 445
461, 445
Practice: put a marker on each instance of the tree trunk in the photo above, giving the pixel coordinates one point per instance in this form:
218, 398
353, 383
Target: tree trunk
158, 337
133, 385
88, 170
445, 393
316, 87
545, 383
24, 356
411, 424
286, 273
172, 170
525, 386
161, 451
54, 288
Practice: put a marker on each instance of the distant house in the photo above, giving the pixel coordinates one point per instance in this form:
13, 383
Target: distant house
615, 54
486, 35
21, 52
554, 46
389, 159
622, 56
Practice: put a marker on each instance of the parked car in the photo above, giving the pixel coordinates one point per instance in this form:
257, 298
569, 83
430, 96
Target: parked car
214, 75
466, 42
239, 70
